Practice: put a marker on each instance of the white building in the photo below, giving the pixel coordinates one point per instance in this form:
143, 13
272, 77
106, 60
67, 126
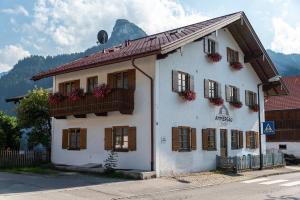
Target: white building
145, 117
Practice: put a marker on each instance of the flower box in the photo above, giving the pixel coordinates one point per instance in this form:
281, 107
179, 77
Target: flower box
56, 98
216, 101
101, 91
236, 104
214, 57
236, 65
189, 95
254, 108
76, 94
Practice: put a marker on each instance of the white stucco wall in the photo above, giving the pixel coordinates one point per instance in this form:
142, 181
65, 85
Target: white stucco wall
172, 111
95, 153
291, 147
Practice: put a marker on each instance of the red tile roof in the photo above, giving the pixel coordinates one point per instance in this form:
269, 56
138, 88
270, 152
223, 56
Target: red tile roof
148, 45
290, 101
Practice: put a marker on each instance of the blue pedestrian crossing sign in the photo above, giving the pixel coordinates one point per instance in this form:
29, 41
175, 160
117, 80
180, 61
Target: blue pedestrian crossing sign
268, 128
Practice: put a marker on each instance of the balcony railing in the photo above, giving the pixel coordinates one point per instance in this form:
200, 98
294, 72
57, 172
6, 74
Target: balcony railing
117, 100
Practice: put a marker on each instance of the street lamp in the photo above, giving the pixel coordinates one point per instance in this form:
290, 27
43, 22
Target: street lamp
271, 80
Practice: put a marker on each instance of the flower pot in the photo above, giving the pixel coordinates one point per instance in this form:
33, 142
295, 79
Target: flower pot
236, 65
214, 57
216, 101
189, 95
237, 104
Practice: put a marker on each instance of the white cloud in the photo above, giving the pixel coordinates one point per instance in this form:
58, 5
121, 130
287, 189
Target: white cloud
72, 25
286, 38
17, 10
9, 56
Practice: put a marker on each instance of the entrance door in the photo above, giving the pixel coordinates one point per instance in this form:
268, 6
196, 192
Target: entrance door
223, 142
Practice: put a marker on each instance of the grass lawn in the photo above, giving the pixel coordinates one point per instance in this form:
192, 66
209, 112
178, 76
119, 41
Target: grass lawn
31, 170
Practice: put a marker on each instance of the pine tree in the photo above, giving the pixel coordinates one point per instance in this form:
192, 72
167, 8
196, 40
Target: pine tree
111, 162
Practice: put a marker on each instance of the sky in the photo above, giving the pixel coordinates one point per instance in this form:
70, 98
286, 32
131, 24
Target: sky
51, 27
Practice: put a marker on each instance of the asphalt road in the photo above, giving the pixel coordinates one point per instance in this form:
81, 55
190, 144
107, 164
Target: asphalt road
66, 187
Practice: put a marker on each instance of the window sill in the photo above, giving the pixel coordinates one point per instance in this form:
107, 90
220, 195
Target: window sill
121, 150
72, 149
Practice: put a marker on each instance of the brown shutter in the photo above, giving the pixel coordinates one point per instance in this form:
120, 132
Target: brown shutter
247, 98
241, 140
111, 80
228, 54
238, 94
191, 83
206, 88
175, 145
132, 139
193, 139
205, 45
255, 98
174, 81
248, 139
219, 90
83, 138
205, 139
131, 79
61, 88
256, 140
76, 84
227, 93
108, 140
65, 138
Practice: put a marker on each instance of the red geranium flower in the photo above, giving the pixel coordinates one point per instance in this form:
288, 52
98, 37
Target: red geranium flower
236, 104
189, 96
217, 101
76, 94
236, 65
101, 91
55, 98
214, 57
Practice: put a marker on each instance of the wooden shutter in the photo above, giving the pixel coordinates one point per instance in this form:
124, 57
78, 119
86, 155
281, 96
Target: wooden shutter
238, 94
175, 144
193, 139
219, 90
83, 138
205, 139
206, 88
247, 98
255, 98
248, 143
108, 139
132, 139
65, 139
131, 79
241, 140
227, 93
76, 84
111, 80
205, 45
191, 83
61, 88
228, 55
174, 81
256, 139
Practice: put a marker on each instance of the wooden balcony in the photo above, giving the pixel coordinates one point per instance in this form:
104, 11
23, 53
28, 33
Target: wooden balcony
117, 100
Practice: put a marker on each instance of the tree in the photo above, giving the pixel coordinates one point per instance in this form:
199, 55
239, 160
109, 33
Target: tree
33, 113
9, 132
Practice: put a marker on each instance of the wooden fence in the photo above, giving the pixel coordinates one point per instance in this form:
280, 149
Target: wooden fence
250, 162
10, 159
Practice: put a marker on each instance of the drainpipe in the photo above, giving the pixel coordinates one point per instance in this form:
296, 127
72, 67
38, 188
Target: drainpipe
152, 111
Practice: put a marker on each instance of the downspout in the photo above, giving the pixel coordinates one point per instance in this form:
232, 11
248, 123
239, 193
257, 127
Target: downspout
152, 111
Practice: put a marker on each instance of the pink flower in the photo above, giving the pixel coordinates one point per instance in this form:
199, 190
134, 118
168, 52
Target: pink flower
217, 101
76, 94
214, 57
236, 65
189, 95
101, 91
55, 98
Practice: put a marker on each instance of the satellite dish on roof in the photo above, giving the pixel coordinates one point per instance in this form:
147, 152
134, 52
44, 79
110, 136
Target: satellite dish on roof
102, 37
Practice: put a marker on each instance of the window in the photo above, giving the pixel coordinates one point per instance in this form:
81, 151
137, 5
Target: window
67, 87
120, 138
212, 89
236, 139
232, 56
209, 139
210, 46
120, 135
282, 146
182, 82
122, 80
92, 82
251, 98
252, 138
183, 138
232, 93
74, 138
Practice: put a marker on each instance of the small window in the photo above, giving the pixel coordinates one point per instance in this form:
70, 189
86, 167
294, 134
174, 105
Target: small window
282, 147
232, 93
120, 135
251, 98
252, 139
92, 82
122, 80
236, 139
232, 55
182, 82
210, 46
184, 138
74, 139
67, 87
212, 89
209, 139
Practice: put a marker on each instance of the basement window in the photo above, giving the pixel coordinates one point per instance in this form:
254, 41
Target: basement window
282, 147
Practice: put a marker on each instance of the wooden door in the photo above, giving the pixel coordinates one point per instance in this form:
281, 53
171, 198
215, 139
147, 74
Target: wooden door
223, 142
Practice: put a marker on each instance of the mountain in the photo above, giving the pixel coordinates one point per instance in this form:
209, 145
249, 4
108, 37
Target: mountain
2, 74
287, 64
17, 81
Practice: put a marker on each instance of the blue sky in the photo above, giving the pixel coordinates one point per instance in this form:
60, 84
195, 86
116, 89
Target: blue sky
51, 27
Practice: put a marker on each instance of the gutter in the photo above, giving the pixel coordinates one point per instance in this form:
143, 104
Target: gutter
152, 109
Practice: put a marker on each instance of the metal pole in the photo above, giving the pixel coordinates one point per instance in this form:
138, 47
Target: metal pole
259, 131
